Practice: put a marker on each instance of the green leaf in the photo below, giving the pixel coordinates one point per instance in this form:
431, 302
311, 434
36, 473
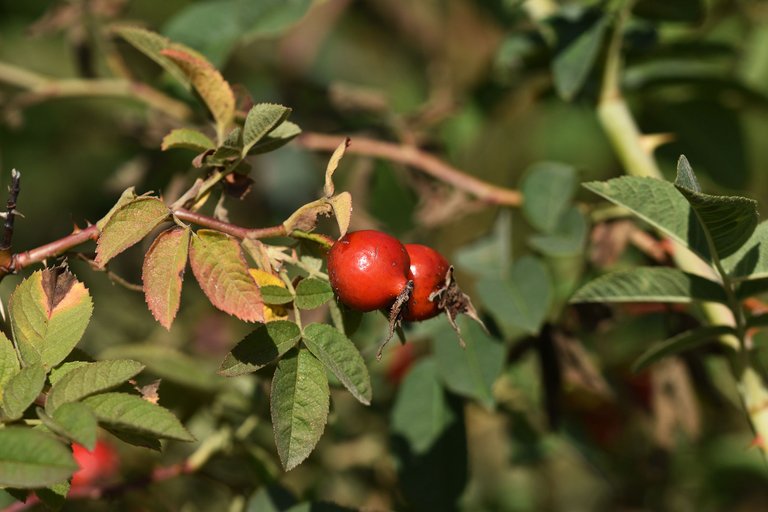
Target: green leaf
229, 150
471, 371
568, 239
680, 343
9, 362
421, 413
49, 313
658, 203
162, 274
576, 57
548, 188
152, 44
209, 84
169, 364
521, 300
277, 138
260, 348
220, 268
488, 255
60, 371
186, 138
133, 412
312, 293
341, 356
22, 389
235, 21
74, 421
650, 284
30, 458
89, 379
127, 196
275, 295
262, 119
751, 260
729, 221
300, 400
128, 226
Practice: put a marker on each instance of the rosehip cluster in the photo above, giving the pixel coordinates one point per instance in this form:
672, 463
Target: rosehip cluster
371, 270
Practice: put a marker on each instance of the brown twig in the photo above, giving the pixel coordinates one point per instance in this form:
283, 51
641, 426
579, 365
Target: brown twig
418, 159
80, 236
10, 210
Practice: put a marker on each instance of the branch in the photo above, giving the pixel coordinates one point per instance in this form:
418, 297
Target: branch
81, 236
41, 88
418, 159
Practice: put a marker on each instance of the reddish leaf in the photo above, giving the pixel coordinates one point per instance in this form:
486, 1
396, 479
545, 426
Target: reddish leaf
219, 266
128, 225
208, 82
163, 274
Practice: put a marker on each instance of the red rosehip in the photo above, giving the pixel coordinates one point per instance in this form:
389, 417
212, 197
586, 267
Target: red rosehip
96, 466
428, 271
368, 269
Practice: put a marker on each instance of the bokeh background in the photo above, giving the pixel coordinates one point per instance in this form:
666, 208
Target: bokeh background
563, 424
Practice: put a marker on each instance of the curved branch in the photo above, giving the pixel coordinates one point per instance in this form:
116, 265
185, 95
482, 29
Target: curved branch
41, 88
418, 159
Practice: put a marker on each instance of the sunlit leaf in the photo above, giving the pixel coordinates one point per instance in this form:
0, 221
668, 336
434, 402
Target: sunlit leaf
22, 389
341, 356
729, 221
74, 421
90, 378
9, 362
312, 293
49, 313
133, 412
128, 226
342, 210
262, 119
260, 348
299, 403
30, 458
650, 284
152, 44
163, 273
186, 138
220, 268
209, 84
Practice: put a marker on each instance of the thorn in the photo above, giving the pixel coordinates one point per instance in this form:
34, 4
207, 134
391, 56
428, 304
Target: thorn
652, 141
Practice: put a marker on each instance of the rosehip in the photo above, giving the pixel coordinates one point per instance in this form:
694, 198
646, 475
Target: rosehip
368, 270
428, 270
96, 466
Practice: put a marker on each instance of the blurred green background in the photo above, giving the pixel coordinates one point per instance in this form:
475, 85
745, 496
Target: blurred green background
476, 83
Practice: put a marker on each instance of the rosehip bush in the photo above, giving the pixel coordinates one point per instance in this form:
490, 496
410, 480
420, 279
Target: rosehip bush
266, 193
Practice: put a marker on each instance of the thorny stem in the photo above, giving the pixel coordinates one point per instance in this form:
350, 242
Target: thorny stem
80, 236
621, 128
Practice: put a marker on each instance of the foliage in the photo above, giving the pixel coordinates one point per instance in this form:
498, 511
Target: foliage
625, 316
